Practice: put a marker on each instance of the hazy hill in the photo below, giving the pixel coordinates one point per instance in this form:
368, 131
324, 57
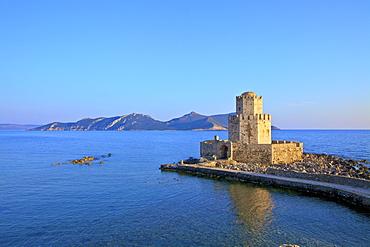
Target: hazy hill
17, 126
195, 121
191, 121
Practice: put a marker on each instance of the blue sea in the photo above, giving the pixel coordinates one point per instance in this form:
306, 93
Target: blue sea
128, 201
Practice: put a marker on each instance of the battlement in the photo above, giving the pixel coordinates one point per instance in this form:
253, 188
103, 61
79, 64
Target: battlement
297, 144
249, 95
250, 117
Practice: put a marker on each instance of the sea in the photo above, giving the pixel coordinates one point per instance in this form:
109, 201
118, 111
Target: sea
128, 201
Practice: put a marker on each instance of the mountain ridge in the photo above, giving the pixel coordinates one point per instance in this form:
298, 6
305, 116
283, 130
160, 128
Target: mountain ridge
134, 122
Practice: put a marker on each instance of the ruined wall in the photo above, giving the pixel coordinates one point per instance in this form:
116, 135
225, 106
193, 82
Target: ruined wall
221, 149
286, 151
252, 154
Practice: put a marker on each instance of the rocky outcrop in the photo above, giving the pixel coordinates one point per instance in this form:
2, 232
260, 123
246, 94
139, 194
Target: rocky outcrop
87, 160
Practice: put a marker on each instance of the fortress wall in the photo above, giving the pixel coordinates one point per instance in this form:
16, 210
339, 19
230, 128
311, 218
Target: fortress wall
255, 129
222, 149
207, 149
251, 129
252, 154
248, 104
264, 127
286, 152
234, 128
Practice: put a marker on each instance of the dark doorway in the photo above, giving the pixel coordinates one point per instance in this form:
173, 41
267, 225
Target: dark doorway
224, 149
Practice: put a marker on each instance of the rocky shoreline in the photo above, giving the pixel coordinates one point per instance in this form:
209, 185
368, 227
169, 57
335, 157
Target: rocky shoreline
310, 164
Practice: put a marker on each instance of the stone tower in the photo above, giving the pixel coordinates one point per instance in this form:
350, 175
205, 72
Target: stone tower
250, 137
249, 125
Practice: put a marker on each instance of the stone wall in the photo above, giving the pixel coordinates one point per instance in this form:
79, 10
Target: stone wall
325, 189
250, 129
264, 129
362, 183
248, 104
234, 128
286, 151
219, 149
253, 154
266, 154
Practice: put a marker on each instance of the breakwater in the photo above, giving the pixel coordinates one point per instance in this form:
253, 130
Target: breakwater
337, 189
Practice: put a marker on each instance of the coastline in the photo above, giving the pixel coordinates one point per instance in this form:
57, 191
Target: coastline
355, 195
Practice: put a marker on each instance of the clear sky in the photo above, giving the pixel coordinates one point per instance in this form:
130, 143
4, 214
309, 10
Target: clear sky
67, 60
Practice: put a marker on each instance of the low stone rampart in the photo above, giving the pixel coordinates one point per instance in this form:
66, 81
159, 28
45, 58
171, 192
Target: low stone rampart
253, 154
286, 151
362, 183
219, 149
354, 195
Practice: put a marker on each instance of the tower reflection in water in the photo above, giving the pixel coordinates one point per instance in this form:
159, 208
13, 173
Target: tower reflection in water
253, 206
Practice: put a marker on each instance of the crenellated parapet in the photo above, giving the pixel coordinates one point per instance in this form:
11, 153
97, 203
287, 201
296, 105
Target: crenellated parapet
249, 117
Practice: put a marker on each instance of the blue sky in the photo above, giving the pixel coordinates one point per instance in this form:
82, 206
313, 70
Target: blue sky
67, 60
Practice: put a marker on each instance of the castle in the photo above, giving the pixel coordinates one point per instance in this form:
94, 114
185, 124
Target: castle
250, 137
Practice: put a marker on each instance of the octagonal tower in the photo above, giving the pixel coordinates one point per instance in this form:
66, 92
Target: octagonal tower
250, 125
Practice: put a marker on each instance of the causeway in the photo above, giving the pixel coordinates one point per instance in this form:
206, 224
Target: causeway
358, 196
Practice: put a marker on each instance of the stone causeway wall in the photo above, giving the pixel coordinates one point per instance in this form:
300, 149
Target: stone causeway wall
362, 183
330, 190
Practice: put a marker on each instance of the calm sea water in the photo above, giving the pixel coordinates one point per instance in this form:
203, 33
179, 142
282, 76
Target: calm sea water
128, 201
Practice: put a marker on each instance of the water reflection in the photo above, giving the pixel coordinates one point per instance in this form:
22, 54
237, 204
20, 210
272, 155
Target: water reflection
254, 207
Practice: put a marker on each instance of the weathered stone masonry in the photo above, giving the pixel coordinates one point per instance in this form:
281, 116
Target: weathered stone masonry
250, 137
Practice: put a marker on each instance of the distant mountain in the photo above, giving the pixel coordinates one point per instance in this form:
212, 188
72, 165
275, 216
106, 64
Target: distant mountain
128, 122
134, 121
195, 121
17, 126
